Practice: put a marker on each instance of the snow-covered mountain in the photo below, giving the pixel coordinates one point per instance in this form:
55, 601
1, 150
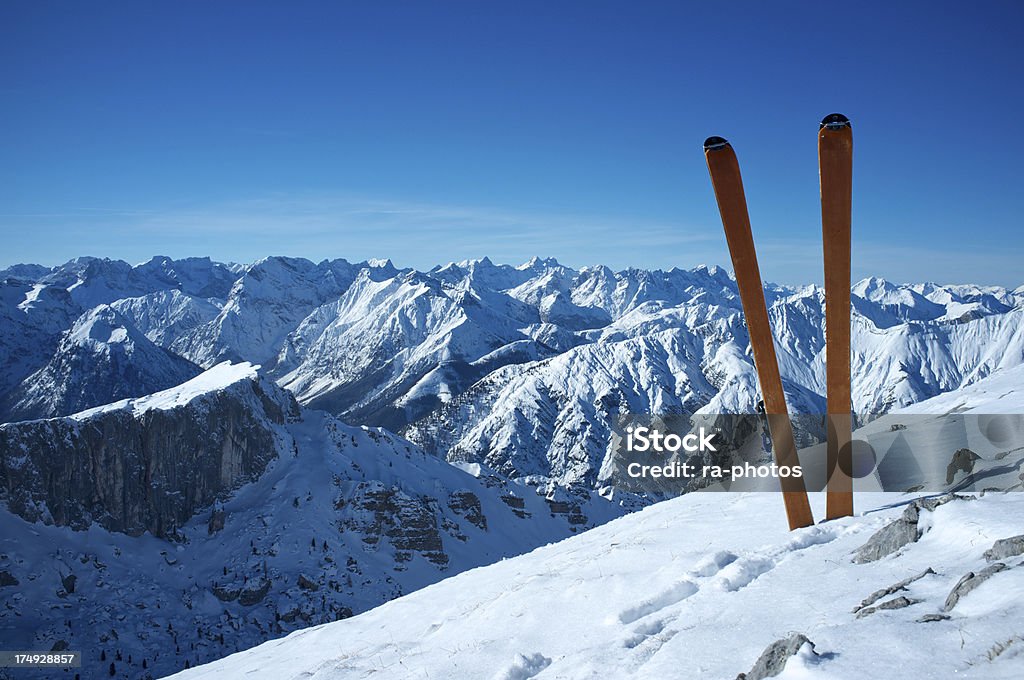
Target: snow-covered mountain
553, 417
390, 350
265, 303
516, 367
183, 525
102, 358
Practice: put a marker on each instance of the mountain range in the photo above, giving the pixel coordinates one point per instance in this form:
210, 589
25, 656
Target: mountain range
198, 456
519, 368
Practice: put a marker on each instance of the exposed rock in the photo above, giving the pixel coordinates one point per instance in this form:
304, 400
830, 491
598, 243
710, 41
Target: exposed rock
225, 593
409, 523
295, 613
890, 538
513, 501
935, 501
895, 603
216, 523
69, 583
773, 659
963, 460
931, 618
576, 517
1000, 647
134, 473
517, 504
558, 507
894, 588
902, 531
1005, 547
307, 583
466, 504
969, 582
251, 595
59, 645
7, 579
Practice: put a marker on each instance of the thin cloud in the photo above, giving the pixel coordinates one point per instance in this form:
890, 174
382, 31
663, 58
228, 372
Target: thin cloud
423, 232
421, 235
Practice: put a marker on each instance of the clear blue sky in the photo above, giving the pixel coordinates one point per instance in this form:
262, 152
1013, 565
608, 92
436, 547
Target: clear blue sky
436, 131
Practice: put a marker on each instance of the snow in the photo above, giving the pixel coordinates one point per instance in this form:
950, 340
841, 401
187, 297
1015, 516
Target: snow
31, 296
640, 597
1000, 393
219, 377
514, 372
698, 586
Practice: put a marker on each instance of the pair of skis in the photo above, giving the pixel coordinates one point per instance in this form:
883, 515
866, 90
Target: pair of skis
835, 162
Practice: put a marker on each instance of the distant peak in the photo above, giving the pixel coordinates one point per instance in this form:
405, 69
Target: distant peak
157, 260
537, 263
601, 269
471, 263
712, 270
872, 283
102, 324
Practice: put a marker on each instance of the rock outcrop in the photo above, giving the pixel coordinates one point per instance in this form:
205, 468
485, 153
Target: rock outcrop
904, 530
135, 472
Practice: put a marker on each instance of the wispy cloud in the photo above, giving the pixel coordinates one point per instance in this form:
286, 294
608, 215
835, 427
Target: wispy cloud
421, 234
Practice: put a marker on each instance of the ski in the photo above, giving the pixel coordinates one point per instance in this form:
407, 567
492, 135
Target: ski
835, 163
732, 205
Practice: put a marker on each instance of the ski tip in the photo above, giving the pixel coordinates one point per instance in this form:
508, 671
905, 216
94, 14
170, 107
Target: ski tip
713, 143
834, 121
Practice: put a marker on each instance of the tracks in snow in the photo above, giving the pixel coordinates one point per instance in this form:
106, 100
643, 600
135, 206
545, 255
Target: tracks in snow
721, 571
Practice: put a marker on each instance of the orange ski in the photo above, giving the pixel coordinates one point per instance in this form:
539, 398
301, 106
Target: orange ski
835, 162
732, 204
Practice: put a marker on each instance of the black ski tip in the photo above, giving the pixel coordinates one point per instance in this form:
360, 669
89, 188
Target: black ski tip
834, 121
712, 143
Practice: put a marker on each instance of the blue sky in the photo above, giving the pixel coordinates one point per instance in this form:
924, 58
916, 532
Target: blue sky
436, 131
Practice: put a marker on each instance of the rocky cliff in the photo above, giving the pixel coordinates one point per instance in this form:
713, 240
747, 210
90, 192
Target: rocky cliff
136, 469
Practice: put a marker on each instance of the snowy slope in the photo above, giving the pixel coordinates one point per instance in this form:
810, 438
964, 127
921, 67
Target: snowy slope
921, 447
220, 377
266, 302
33, 316
167, 315
1000, 392
365, 355
700, 585
693, 588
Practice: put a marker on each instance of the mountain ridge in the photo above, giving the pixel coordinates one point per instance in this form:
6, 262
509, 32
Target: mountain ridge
402, 348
